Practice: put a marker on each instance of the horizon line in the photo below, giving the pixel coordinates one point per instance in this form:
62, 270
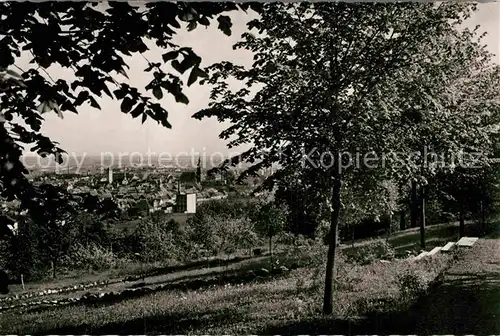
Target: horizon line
124, 154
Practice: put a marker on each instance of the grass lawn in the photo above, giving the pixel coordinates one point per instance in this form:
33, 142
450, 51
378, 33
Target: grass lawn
261, 307
436, 235
132, 268
236, 309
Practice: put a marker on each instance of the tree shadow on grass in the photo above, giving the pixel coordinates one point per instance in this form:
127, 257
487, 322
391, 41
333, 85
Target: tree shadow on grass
467, 305
175, 323
171, 323
328, 326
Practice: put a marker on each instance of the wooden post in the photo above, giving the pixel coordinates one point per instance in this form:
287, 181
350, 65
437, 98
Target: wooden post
22, 281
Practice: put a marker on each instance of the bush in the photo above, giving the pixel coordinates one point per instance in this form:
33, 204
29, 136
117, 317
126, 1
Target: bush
91, 257
344, 275
221, 226
366, 254
434, 212
410, 284
233, 208
222, 234
157, 241
6, 254
312, 255
290, 239
28, 253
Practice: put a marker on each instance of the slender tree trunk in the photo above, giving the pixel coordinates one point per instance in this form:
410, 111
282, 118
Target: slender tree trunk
271, 248
422, 217
352, 236
332, 247
389, 231
22, 281
402, 220
414, 206
54, 266
483, 217
461, 225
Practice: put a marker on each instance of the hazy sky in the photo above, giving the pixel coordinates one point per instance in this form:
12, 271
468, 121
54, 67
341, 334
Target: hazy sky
109, 130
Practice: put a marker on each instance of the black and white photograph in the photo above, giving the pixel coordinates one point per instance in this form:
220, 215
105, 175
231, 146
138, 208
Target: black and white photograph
250, 168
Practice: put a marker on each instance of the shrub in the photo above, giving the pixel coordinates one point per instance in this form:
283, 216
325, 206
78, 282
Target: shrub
410, 284
28, 253
285, 238
222, 226
312, 256
221, 232
366, 254
306, 253
92, 257
6, 254
158, 241
344, 275
270, 220
234, 208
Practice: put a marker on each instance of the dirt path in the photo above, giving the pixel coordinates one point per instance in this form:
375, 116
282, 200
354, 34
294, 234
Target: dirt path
468, 301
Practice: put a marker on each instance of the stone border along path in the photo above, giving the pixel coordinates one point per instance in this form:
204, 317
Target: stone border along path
249, 276
61, 290
463, 242
205, 281
131, 278
172, 269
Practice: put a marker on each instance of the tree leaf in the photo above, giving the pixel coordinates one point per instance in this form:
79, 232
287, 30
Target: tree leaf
157, 92
170, 55
189, 60
177, 66
186, 16
93, 103
225, 24
67, 106
195, 73
58, 110
119, 93
123, 73
174, 23
138, 111
126, 105
192, 25
193, 76
41, 107
181, 98
106, 90
6, 57
204, 21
